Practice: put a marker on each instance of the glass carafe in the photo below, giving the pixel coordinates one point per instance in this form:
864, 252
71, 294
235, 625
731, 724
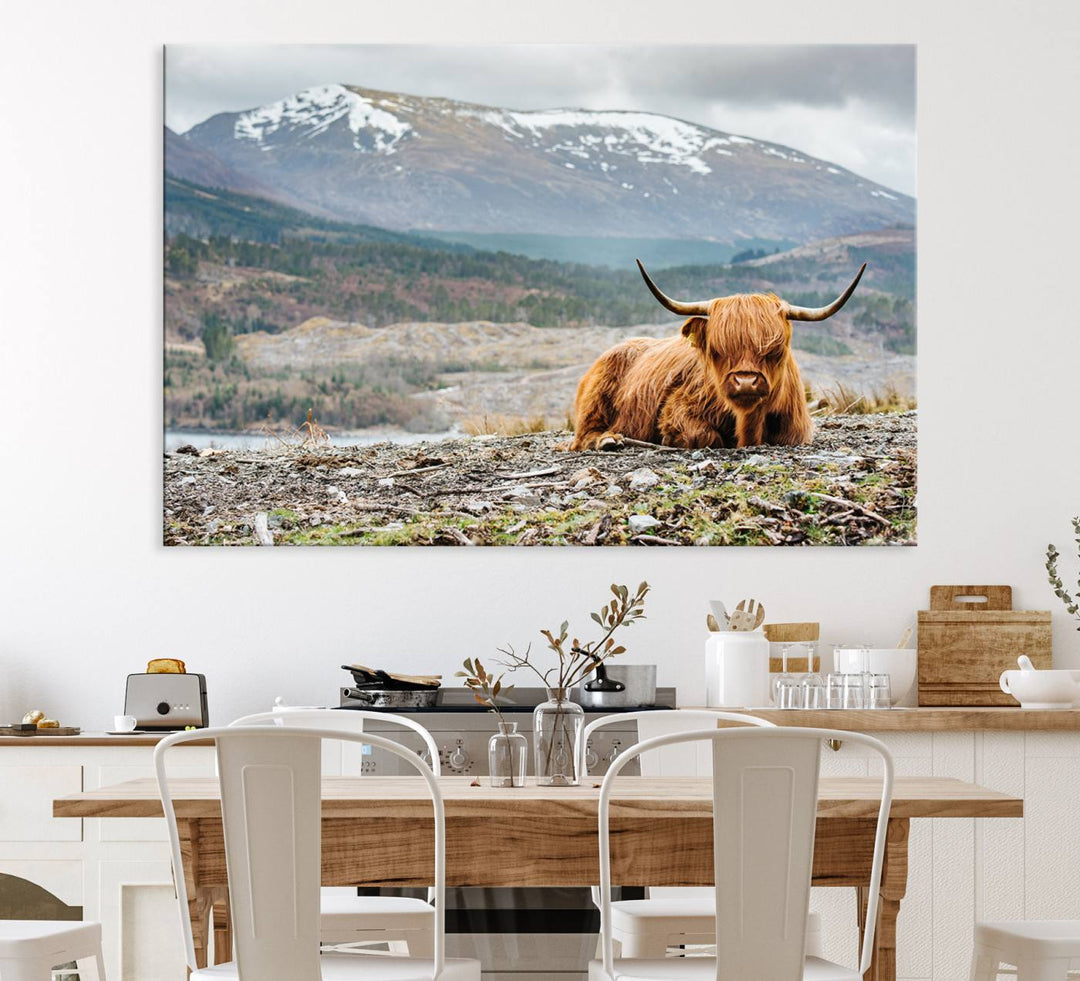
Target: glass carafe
508, 755
557, 725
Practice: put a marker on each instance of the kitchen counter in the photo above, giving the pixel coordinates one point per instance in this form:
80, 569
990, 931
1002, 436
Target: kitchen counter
923, 719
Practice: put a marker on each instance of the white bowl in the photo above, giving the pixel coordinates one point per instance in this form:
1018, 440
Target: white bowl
899, 663
1042, 689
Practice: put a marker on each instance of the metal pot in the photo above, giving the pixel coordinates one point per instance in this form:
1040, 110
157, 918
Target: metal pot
388, 698
619, 686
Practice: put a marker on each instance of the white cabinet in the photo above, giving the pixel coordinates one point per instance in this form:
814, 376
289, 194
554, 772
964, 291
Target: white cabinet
26, 803
961, 870
117, 870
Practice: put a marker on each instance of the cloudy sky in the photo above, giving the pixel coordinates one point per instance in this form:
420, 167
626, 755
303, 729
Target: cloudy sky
851, 104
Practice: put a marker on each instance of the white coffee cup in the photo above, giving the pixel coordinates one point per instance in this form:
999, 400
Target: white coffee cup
124, 723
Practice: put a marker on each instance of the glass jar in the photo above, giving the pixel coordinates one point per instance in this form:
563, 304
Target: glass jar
557, 725
508, 755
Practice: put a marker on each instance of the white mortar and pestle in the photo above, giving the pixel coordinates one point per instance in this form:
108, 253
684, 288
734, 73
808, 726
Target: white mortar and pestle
1035, 689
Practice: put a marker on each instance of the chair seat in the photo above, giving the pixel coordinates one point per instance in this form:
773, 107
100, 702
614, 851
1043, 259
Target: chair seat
704, 969
1031, 939
349, 967
46, 938
694, 915
377, 912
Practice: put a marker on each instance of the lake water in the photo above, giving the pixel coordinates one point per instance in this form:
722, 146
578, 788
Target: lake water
201, 439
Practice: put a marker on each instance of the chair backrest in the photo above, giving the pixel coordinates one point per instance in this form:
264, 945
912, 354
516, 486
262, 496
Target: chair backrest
676, 761
347, 720
271, 809
764, 790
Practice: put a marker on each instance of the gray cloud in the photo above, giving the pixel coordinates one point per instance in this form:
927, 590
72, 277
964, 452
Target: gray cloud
850, 104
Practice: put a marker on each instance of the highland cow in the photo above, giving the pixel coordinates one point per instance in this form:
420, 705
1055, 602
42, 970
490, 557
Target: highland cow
729, 378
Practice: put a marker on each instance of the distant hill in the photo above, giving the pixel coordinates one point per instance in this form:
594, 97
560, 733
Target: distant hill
205, 211
404, 163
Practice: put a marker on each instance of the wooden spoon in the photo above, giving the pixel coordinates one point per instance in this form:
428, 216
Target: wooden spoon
748, 615
720, 614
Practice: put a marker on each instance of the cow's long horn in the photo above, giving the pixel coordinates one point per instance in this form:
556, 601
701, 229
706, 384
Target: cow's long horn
699, 309
823, 313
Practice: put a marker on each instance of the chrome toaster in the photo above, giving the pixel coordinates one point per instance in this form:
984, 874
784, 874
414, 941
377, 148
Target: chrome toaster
167, 701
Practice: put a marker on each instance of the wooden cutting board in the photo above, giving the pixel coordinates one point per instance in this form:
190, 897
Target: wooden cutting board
56, 731
969, 636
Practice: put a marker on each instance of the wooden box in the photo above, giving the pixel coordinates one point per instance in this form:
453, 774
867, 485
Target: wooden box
968, 637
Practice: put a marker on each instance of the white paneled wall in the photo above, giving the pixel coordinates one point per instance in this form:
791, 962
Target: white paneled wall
961, 869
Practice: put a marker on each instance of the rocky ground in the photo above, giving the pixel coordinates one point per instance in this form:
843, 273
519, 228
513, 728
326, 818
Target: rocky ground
853, 485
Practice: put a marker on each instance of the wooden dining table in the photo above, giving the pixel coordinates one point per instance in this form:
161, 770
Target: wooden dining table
377, 831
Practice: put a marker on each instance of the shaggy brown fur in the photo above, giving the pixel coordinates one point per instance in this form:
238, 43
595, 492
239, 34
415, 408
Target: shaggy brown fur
728, 380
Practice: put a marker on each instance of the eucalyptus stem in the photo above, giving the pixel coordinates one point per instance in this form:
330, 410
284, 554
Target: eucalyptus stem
1071, 602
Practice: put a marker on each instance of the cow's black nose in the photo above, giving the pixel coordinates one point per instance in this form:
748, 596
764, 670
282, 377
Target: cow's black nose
746, 381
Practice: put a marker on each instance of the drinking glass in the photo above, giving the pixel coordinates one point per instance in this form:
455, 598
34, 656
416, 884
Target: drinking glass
808, 650
834, 690
879, 694
813, 691
788, 692
853, 691
785, 676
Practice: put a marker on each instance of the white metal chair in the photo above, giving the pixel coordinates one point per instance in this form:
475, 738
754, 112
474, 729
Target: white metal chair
765, 790
271, 810
30, 949
677, 916
1041, 950
346, 917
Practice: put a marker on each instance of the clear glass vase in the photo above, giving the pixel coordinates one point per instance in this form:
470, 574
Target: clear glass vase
557, 725
508, 755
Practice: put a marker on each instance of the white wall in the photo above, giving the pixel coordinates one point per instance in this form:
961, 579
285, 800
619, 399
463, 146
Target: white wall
87, 593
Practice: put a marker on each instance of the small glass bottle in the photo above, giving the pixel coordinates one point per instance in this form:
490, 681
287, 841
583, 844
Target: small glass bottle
557, 725
508, 755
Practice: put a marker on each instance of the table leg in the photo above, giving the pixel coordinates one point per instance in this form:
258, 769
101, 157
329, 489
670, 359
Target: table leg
893, 889
199, 913
222, 921
201, 899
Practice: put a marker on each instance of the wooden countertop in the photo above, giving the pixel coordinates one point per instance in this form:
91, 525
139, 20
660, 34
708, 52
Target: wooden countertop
922, 719
656, 797
997, 719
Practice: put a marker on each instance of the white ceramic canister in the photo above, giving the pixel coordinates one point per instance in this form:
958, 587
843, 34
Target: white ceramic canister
737, 669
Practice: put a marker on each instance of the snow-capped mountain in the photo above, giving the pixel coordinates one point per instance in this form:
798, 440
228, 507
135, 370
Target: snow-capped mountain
407, 162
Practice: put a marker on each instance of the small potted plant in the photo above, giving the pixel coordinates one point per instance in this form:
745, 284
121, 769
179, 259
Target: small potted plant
557, 723
508, 750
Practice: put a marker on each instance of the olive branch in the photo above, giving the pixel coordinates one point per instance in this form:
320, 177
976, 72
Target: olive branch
1071, 601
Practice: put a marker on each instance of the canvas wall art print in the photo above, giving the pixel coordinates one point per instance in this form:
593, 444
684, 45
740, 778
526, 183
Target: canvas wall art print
573, 295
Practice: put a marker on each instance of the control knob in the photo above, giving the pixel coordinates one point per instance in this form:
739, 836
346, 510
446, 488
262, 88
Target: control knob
458, 758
